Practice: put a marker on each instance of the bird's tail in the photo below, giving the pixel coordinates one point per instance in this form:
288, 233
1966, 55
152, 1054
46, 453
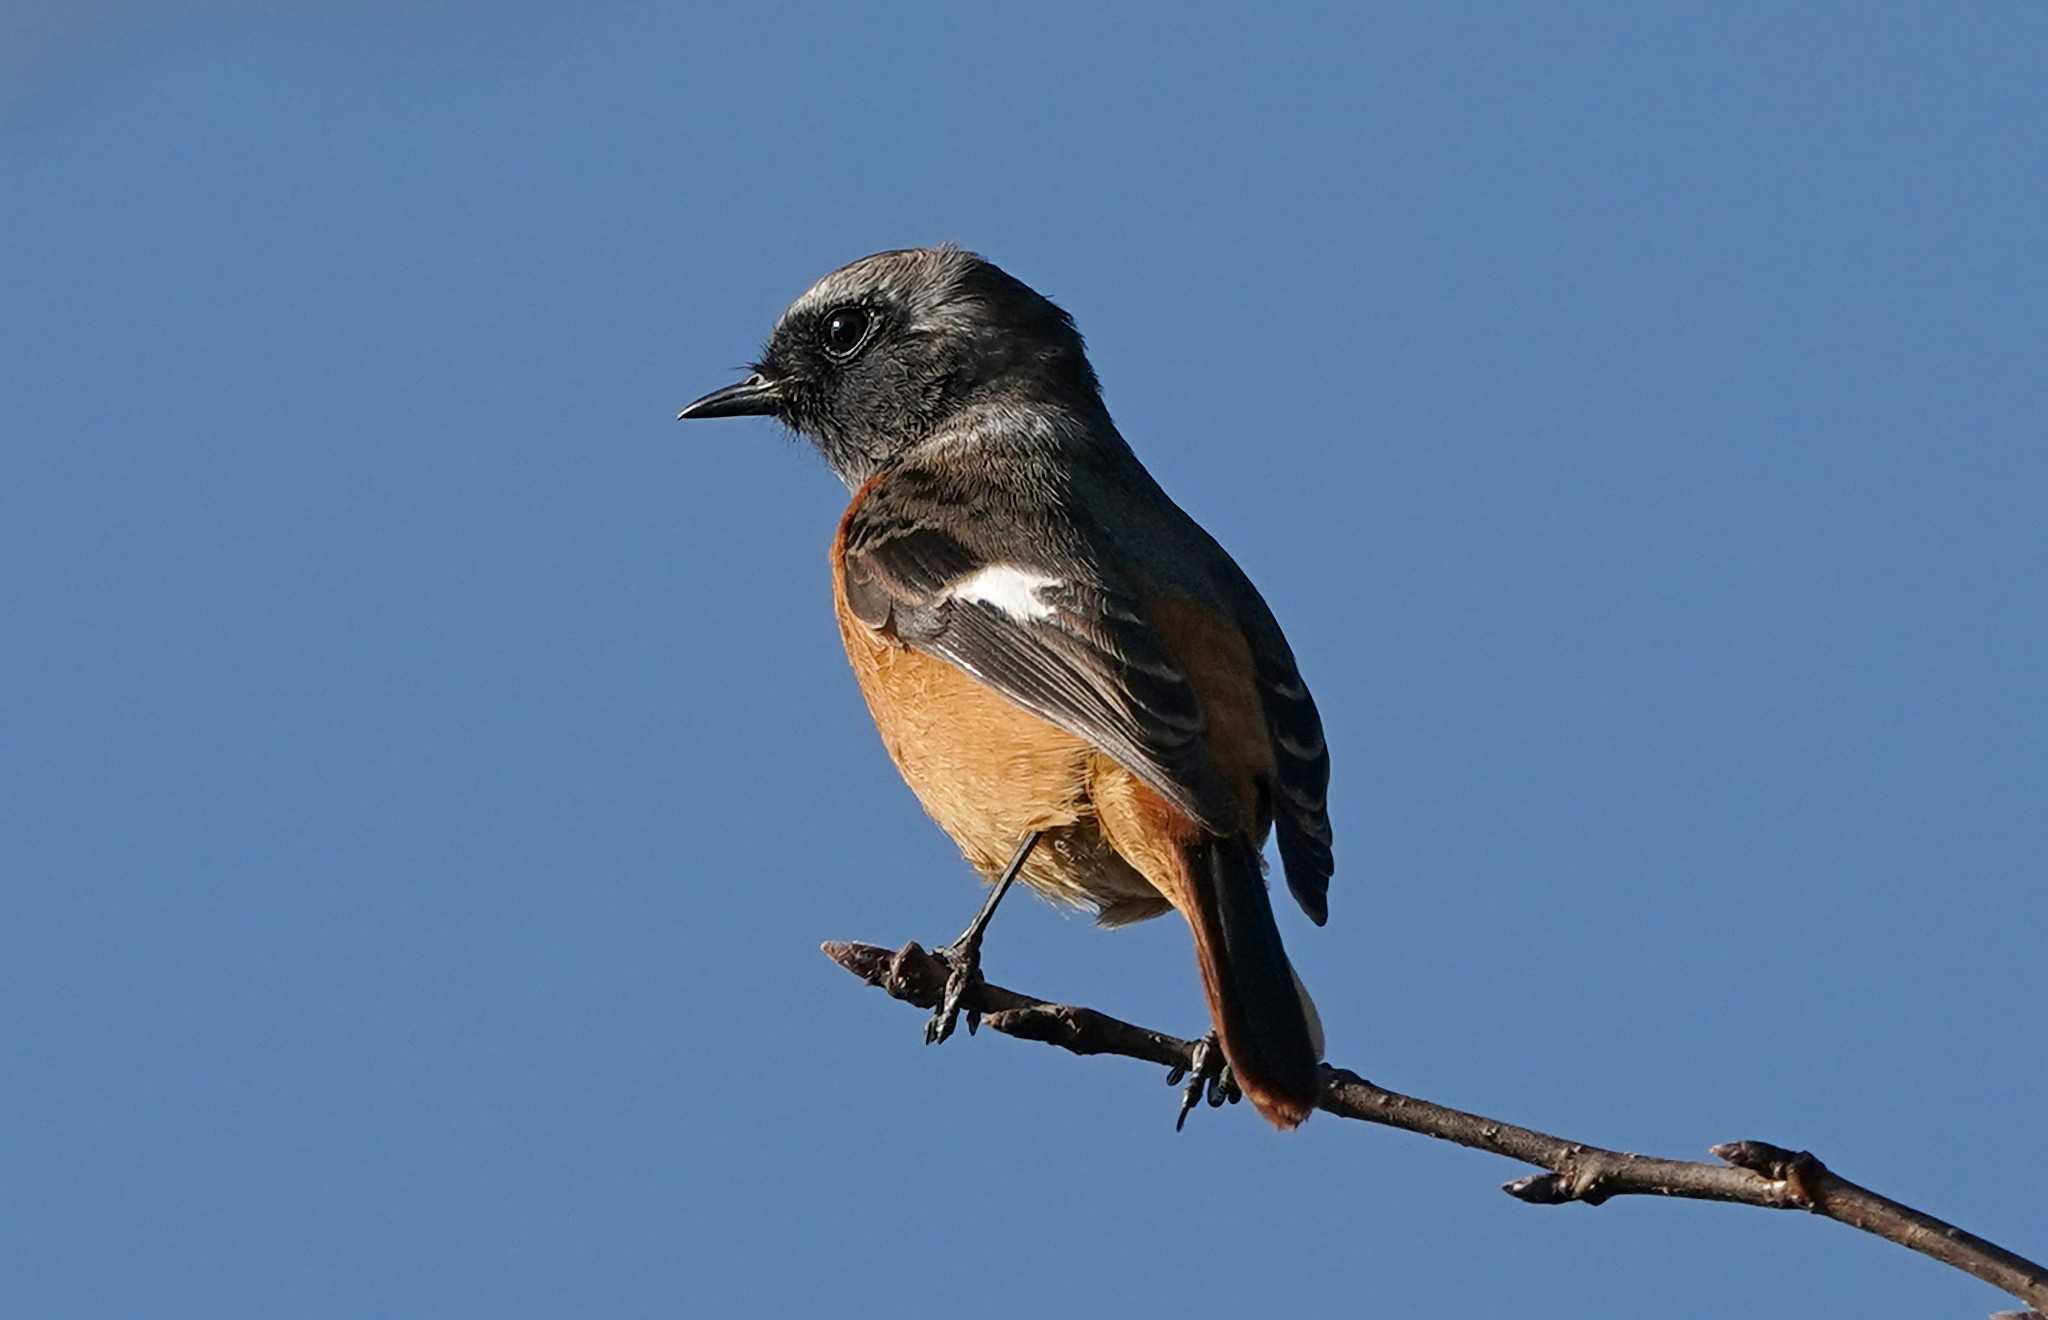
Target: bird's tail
1268, 1027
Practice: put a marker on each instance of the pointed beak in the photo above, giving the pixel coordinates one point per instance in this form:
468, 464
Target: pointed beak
756, 396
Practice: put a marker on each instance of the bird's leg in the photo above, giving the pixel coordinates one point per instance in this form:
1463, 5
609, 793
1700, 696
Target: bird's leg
1211, 1071
964, 954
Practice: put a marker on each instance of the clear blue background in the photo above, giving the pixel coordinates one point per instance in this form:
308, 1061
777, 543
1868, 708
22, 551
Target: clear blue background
429, 770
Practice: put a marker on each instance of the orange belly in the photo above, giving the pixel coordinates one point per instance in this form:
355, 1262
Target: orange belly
990, 772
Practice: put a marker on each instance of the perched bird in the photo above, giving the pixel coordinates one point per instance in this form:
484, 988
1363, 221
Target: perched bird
1076, 680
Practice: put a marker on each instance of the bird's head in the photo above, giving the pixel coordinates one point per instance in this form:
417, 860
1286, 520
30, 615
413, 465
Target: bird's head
879, 355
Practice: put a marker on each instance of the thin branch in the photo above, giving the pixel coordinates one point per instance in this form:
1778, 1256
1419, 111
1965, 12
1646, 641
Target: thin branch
1755, 1172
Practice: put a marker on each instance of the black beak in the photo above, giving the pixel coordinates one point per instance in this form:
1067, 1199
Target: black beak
756, 396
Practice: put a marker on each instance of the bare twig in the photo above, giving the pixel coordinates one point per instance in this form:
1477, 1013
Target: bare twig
1755, 1172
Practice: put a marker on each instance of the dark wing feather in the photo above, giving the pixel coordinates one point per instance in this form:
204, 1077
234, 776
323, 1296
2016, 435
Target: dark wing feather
1299, 795
1301, 761
1090, 665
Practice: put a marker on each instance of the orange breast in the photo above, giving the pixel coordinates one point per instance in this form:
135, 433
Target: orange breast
987, 770
990, 772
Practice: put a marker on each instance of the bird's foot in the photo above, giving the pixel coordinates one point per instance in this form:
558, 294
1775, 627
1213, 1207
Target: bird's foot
1209, 1072
963, 961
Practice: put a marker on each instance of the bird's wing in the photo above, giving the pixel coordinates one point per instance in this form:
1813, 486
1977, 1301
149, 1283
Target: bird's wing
1024, 608
1175, 548
1301, 766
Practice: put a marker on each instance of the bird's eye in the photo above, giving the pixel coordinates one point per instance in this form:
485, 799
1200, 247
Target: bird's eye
845, 330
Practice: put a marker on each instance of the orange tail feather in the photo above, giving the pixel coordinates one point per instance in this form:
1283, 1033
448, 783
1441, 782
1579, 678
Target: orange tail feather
1262, 1017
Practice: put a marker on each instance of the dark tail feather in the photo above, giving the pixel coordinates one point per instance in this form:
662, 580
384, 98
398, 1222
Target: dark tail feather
1253, 997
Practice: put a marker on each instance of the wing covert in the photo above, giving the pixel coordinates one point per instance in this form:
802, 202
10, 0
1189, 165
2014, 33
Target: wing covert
1036, 624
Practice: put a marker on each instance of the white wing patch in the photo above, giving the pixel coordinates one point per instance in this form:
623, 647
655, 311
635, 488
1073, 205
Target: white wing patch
1008, 588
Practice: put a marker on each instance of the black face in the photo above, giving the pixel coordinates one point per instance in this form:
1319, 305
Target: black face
853, 381
881, 353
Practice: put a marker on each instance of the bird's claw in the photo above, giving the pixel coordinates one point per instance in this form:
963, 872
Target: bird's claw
963, 975
1210, 1076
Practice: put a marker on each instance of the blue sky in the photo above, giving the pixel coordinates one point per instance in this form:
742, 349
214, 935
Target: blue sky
427, 771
